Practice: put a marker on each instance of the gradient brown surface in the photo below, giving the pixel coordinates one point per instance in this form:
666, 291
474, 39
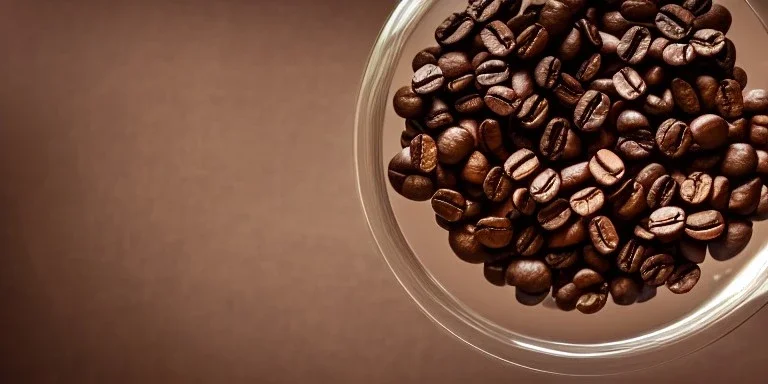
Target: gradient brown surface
179, 206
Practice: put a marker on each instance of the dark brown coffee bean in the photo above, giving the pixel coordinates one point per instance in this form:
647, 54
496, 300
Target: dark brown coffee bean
678, 55
460, 84
534, 112
556, 17
638, 10
606, 167
545, 186
745, 198
624, 290
495, 272
589, 68
476, 168
555, 139
758, 131
498, 39
683, 278
576, 175
659, 105
667, 223
696, 188
554, 215
674, 22
571, 45
456, 28
428, 79
547, 72
756, 101
762, 162
562, 259
718, 17
698, 7
465, 245
704, 161
449, 205
471, 103
494, 232
521, 21
502, 101
484, 10
685, 96
522, 202
631, 256
605, 86
705, 225
587, 201
454, 144
522, 164
595, 260
656, 269
592, 302
425, 56
610, 43
628, 201
490, 139
423, 153
408, 104
603, 235
655, 76
480, 58
614, 23
729, 100
438, 115
674, 138
649, 174
708, 42
569, 235
637, 145
497, 185
642, 232
590, 33
531, 276
567, 296
692, 250
569, 91
707, 89
631, 120
406, 180
492, 72
709, 131
736, 237
591, 111
656, 50
634, 45
740, 75
586, 279
629, 84
740, 160
523, 83
761, 213
529, 242
720, 193
455, 64
532, 41
445, 177
662, 192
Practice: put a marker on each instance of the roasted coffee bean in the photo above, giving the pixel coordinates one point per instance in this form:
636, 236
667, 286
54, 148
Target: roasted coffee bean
634, 45
637, 145
529, 242
761, 213
617, 107
589, 68
624, 290
631, 120
720, 193
709, 131
476, 168
562, 259
454, 145
554, 215
674, 138
726, 59
498, 39
678, 55
591, 111
740, 160
614, 23
656, 49
606, 167
649, 174
456, 28
704, 225
745, 198
567, 296
587, 201
762, 162
522, 202
449, 205
530, 299
532, 41
406, 180
497, 185
412, 129
484, 10
758, 131
595, 260
628, 201
718, 18
577, 175
698, 7
629, 84
586, 279
662, 192
696, 188
683, 278
638, 10
425, 56
692, 250
464, 244
631, 256
495, 272
555, 138
603, 234
729, 100
534, 112
556, 17
610, 43
523, 83
642, 232
740, 75
674, 22
532, 276
521, 21
659, 105
654, 76
480, 58
569, 90
408, 104
502, 101
545, 186
708, 42
685, 96
605, 86
490, 139
460, 84
454, 64
492, 72
438, 115
423, 153
445, 224
522, 164
445, 177
471, 103
547, 72
756, 101
656, 269
736, 237
571, 45
592, 302
494, 232
667, 223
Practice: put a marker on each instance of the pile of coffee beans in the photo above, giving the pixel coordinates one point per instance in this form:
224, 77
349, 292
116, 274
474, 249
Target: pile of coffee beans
586, 148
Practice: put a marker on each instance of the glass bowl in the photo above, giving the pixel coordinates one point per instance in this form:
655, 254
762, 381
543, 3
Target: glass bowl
456, 296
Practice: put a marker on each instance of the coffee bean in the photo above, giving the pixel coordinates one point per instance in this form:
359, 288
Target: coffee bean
667, 223
555, 17
497, 185
569, 235
454, 144
683, 278
610, 43
521, 21
674, 22
562, 259
631, 256
438, 115
705, 225
523, 83
569, 90
637, 145
638, 10
555, 139
492, 72
468, 104
659, 105
629, 84
425, 56
449, 205
642, 232
709, 131
761, 213
502, 101
523, 202
531, 276
587, 201
678, 55
547, 72
685, 96
554, 215
480, 58
726, 59
456, 28
591, 34
745, 198
762, 162
740, 75
603, 235
593, 302
567, 296
758, 130
656, 49
634, 45
423, 153
674, 138
624, 290
589, 68
696, 188
738, 130
532, 41
662, 192
530, 299
591, 111
606, 167
756, 101
720, 193
408, 104
596, 261
454, 64
656, 269
406, 180
412, 129
718, 18
476, 168
464, 244
428, 79
605, 86
494, 232
576, 175
522, 165
571, 45
545, 186
587, 278
484, 10
460, 84
678, 176
628, 200
698, 7
708, 42
735, 239
498, 39
490, 139
740, 160
445, 224
614, 23
534, 112
655, 76
631, 120
529, 242
649, 174
729, 100
495, 272
445, 177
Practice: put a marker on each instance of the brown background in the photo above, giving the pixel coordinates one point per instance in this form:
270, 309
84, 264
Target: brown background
178, 205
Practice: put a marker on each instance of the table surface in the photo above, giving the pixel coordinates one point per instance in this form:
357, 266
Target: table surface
179, 206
